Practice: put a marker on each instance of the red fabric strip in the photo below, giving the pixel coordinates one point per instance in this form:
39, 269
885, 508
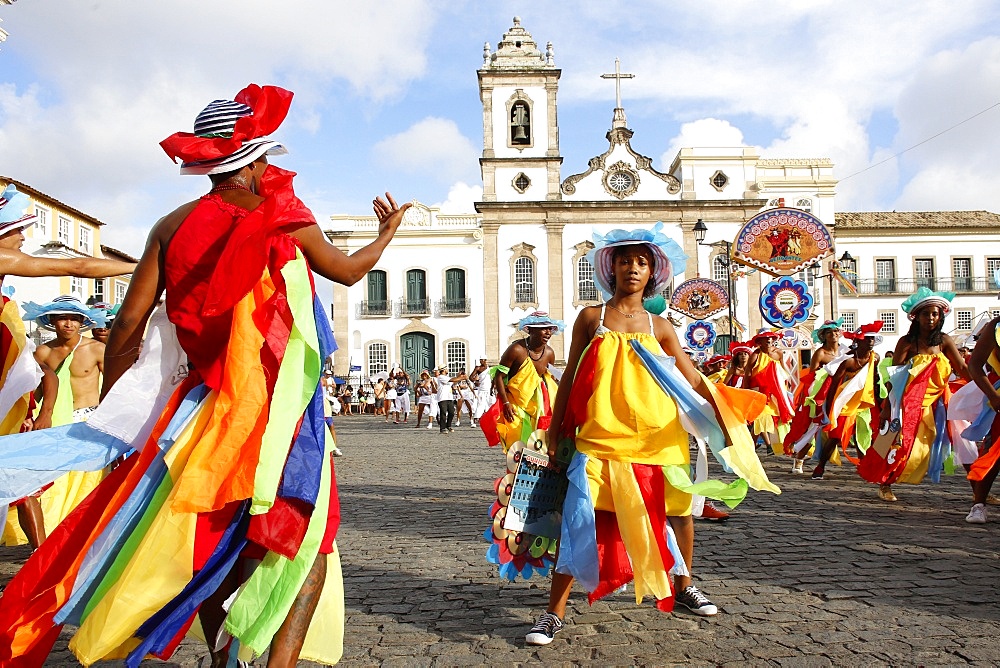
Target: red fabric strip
614, 567
582, 390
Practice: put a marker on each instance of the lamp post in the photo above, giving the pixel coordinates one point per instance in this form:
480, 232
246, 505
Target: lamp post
700, 230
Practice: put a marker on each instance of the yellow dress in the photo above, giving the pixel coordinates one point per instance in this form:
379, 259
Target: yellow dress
937, 385
531, 396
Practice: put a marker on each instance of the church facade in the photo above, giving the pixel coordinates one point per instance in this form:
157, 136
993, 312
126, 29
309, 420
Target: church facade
450, 289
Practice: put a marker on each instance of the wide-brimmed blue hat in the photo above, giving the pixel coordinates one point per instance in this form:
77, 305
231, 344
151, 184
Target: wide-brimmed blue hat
14, 210
540, 319
64, 305
670, 259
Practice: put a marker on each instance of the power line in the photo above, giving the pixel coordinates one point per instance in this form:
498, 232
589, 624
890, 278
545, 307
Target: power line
946, 130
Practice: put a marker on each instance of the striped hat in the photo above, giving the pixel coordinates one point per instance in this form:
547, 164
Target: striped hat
231, 134
13, 210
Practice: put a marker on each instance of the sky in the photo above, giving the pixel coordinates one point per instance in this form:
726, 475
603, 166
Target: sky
386, 95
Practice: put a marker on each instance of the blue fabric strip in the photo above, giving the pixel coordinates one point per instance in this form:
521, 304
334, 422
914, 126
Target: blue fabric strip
304, 466
941, 447
160, 629
980, 428
578, 534
327, 344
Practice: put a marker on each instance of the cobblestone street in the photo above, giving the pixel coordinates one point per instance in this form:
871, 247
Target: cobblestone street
825, 574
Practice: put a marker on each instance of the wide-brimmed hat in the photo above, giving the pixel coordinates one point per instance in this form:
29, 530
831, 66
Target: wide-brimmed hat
64, 305
14, 210
670, 259
719, 358
924, 296
231, 134
871, 331
829, 324
765, 333
740, 347
540, 319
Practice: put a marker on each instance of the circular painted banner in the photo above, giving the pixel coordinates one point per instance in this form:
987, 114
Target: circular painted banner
700, 335
786, 302
782, 241
699, 298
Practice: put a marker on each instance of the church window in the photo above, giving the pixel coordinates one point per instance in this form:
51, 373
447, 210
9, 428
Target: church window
416, 292
888, 319
520, 124
456, 355
454, 291
804, 203
719, 180
775, 202
524, 281
586, 288
521, 182
378, 358
378, 298
720, 269
963, 319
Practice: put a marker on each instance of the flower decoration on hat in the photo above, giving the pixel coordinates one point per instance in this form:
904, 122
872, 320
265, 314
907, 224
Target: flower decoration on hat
230, 134
14, 210
927, 297
64, 305
829, 324
540, 319
669, 258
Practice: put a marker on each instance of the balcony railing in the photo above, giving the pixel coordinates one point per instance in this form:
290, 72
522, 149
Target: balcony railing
412, 307
454, 306
905, 286
375, 309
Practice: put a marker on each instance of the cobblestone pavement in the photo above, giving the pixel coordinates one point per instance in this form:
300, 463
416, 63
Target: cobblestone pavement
825, 574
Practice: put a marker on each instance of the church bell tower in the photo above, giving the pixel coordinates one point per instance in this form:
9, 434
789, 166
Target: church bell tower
518, 85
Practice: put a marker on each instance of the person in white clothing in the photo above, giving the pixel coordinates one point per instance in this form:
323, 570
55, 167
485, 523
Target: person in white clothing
482, 382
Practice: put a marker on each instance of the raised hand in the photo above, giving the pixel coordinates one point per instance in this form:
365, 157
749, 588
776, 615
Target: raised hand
389, 214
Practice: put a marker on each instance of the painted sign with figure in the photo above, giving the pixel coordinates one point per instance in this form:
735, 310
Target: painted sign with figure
699, 298
700, 335
782, 241
785, 302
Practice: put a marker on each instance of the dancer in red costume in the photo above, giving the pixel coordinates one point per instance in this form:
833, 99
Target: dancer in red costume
984, 368
235, 265
767, 375
918, 393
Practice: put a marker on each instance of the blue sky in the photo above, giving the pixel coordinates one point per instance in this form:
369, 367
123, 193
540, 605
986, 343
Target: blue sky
387, 99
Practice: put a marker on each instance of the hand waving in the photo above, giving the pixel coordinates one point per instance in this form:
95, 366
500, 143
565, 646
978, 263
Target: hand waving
389, 214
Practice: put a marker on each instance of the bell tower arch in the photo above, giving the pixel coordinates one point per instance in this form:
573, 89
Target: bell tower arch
518, 85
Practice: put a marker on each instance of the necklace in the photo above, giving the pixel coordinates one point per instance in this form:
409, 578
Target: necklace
228, 186
627, 315
532, 356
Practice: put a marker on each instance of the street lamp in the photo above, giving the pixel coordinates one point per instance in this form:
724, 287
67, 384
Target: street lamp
700, 230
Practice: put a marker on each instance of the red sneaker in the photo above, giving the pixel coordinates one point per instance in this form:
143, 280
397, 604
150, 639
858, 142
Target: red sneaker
710, 512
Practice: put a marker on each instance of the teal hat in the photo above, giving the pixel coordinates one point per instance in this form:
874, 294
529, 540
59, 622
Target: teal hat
927, 297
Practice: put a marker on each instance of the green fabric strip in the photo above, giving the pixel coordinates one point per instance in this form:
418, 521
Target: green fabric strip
264, 600
62, 410
730, 494
863, 429
297, 379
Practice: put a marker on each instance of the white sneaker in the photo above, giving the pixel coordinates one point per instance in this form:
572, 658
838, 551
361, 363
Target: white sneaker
337, 452
977, 515
457, 423
430, 426
797, 466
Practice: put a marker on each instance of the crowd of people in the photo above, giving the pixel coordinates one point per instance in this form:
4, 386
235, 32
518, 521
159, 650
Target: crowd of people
182, 467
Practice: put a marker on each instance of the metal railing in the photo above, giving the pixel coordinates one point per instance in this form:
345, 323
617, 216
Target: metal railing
375, 309
454, 306
408, 307
905, 286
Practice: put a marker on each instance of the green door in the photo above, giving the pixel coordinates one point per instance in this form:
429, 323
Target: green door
416, 291
454, 291
418, 354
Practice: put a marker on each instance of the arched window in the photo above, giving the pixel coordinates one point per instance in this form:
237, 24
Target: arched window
455, 352
720, 269
416, 292
804, 203
378, 294
520, 124
378, 358
585, 286
524, 281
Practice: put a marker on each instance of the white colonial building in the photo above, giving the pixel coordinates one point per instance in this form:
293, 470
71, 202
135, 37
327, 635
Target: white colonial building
451, 288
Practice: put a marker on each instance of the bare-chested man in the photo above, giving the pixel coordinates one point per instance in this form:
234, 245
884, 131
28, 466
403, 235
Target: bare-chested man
82, 356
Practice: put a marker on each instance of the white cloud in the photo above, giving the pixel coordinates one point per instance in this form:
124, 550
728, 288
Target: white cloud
461, 199
434, 147
706, 133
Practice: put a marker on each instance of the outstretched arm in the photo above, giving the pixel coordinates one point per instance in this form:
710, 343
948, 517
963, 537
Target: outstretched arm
16, 263
330, 262
986, 345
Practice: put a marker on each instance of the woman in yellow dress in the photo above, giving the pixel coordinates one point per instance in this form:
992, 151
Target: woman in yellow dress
628, 410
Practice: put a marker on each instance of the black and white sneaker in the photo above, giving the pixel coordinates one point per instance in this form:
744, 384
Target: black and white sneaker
544, 629
696, 602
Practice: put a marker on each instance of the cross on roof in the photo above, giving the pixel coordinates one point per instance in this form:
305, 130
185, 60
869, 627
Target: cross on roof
618, 76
